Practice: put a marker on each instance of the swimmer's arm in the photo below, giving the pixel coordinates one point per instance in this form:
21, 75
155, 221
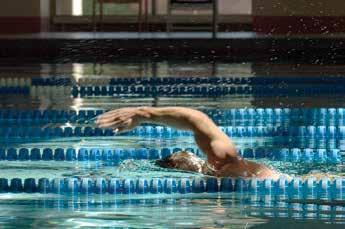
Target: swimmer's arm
210, 139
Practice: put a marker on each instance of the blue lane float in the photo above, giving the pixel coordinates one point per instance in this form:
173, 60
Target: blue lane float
177, 80
51, 82
295, 188
209, 90
47, 116
14, 90
257, 80
84, 91
303, 132
315, 156
37, 116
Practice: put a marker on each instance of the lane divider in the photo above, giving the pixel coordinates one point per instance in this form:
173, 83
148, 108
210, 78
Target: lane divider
335, 114
115, 156
257, 80
85, 154
51, 91
15, 82
303, 132
278, 113
47, 116
224, 80
51, 82
296, 188
14, 90
181, 90
171, 90
84, 91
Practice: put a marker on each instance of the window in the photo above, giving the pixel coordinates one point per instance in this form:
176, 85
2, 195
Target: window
84, 7
77, 7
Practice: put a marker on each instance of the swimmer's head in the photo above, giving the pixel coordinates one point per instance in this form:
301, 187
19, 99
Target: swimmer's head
183, 161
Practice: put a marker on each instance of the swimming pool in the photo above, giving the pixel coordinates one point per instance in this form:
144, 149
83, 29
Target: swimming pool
59, 170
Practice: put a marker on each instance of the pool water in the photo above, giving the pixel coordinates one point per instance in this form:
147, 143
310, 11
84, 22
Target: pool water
222, 210
192, 210
139, 168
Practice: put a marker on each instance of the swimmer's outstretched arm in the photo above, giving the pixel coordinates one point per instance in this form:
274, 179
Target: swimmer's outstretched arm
211, 140
221, 152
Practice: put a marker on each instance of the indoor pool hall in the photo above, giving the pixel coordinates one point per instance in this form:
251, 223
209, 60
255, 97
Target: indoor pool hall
172, 114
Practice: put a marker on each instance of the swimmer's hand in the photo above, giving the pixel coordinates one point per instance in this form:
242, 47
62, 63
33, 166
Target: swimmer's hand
120, 120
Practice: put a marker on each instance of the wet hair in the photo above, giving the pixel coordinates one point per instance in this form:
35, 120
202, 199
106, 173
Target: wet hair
186, 161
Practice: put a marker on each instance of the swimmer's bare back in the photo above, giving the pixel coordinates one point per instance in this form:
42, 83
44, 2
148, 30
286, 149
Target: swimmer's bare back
221, 152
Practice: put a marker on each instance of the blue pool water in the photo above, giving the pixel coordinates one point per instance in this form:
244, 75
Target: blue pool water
235, 210
42, 127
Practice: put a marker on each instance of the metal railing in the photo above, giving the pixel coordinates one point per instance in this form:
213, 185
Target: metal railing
194, 4
142, 14
150, 13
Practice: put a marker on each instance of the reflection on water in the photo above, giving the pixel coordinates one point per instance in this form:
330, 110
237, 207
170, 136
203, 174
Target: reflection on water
203, 210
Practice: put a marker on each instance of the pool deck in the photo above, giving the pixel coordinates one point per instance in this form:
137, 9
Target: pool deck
161, 35
233, 45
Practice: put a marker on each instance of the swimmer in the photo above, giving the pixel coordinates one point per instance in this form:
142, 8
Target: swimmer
222, 157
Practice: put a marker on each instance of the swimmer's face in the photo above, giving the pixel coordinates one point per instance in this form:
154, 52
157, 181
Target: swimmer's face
183, 161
